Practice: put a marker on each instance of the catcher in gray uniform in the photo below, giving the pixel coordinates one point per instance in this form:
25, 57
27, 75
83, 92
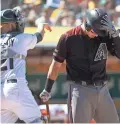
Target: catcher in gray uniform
85, 50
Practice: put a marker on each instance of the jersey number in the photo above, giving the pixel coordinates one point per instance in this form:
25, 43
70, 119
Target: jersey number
4, 68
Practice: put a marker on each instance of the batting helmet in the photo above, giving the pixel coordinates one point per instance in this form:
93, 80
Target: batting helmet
13, 15
95, 18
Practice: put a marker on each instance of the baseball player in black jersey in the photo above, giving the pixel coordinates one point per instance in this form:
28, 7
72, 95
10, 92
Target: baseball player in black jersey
85, 49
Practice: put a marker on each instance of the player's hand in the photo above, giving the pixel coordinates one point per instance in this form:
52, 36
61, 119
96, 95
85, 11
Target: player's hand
108, 27
41, 28
45, 96
110, 31
48, 27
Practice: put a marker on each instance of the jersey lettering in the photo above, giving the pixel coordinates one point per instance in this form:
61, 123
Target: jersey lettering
101, 52
5, 44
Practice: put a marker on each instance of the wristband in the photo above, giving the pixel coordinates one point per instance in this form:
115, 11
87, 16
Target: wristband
48, 85
39, 36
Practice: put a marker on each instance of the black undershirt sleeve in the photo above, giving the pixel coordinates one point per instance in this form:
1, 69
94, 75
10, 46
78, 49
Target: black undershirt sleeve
39, 37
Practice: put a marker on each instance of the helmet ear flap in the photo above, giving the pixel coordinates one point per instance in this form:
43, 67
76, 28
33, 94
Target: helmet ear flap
87, 26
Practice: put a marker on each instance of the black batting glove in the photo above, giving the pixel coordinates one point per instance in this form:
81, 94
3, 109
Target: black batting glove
110, 32
108, 27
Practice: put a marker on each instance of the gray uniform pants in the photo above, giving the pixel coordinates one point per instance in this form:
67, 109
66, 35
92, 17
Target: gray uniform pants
88, 102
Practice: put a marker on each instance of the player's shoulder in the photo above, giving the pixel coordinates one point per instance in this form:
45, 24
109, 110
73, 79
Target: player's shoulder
71, 33
74, 31
24, 34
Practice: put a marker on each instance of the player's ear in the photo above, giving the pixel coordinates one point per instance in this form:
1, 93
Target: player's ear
13, 25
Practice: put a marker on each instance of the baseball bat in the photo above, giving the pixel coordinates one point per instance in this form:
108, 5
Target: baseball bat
48, 112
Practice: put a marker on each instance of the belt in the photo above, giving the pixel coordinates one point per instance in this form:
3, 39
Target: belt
87, 83
12, 81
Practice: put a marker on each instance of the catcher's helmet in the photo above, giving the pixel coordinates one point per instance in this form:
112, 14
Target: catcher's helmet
8, 16
95, 18
13, 15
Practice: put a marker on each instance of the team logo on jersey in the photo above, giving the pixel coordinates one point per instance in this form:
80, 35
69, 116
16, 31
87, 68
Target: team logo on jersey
101, 52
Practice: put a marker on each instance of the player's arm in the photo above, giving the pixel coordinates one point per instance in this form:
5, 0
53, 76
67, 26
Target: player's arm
30, 40
52, 75
53, 70
41, 31
114, 44
59, 56
112, 35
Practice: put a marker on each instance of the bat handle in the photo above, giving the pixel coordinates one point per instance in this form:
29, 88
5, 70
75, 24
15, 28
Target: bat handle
48, 112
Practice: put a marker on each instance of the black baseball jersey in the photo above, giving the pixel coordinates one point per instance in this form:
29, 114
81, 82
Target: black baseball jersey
85, 57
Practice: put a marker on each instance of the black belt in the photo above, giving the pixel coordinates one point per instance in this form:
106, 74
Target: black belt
87, 83
12, 81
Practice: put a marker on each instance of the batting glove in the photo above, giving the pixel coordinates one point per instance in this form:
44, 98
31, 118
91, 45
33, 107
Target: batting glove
108, 27
45, 96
